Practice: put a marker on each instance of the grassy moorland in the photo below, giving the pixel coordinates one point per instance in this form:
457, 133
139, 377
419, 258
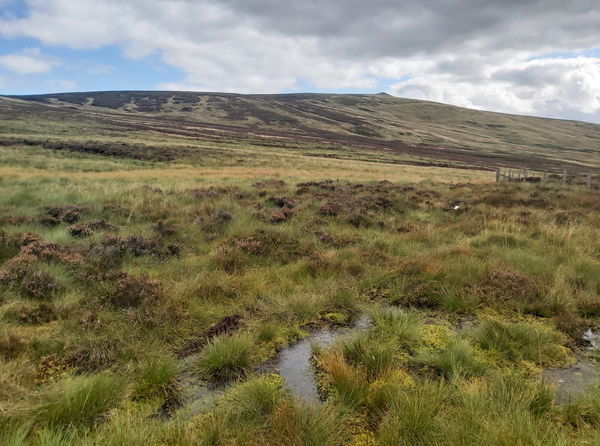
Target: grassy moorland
128, 279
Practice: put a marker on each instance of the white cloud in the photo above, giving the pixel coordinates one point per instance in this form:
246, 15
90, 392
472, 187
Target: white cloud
27, 61
555, 87
467, 52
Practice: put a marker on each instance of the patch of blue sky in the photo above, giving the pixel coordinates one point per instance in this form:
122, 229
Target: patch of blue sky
381, 85
13, 9
566, 54
86, 70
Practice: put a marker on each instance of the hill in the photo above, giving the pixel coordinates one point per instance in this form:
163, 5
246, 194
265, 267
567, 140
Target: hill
418, 131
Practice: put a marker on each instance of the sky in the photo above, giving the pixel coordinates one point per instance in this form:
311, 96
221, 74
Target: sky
533, 57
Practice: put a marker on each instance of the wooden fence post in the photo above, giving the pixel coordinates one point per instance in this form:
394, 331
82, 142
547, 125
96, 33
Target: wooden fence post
544, 176
498, 175
589, 180
526, 173
564, 176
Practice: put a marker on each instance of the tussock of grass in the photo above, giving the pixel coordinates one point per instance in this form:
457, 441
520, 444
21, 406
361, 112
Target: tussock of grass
457, 359
255, 400
508, 409
300, 425
414, 417
374, 356
518, 341
227, 357
81, 400
584, 411
157, 378
403, 326
349, 384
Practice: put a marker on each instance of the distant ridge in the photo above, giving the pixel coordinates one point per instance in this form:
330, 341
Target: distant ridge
373, 120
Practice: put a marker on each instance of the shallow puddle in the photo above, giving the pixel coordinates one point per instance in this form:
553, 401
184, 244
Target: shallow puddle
572, 381
294, 365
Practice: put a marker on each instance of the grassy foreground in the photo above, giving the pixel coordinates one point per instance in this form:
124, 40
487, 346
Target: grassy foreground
114, 273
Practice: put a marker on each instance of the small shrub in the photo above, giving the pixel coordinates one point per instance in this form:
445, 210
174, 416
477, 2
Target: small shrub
501, 286
281, 215
68, 213
81, 400
40, 285
92, 355
230, 259
41, 313
132, 291
165, 228
11, 345
282, 202
227, 357
330, 210
87, 229
420, 295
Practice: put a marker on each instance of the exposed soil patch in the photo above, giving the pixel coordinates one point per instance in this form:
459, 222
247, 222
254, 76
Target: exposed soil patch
226, 325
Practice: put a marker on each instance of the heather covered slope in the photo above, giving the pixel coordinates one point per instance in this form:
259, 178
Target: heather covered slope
366, 122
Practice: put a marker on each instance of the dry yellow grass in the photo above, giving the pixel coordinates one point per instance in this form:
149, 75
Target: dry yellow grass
306, 169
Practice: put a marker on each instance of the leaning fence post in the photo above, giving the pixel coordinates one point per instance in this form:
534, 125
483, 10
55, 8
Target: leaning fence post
564, 176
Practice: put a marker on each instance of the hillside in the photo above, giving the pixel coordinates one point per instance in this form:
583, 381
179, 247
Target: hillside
420, 132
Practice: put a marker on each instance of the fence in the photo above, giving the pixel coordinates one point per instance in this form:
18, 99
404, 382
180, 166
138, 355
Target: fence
526, 176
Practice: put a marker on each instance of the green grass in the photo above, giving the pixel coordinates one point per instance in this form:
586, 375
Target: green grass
466, 308
227, 358
403, 326
157, 377
456, 359
517, 341
414, 417
80, 401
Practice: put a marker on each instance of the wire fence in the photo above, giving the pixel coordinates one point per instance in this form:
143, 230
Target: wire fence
587, 179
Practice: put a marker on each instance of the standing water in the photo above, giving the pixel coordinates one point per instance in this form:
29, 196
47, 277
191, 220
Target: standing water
294, 365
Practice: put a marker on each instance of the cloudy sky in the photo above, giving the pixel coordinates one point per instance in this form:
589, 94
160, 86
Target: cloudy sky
537, 57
